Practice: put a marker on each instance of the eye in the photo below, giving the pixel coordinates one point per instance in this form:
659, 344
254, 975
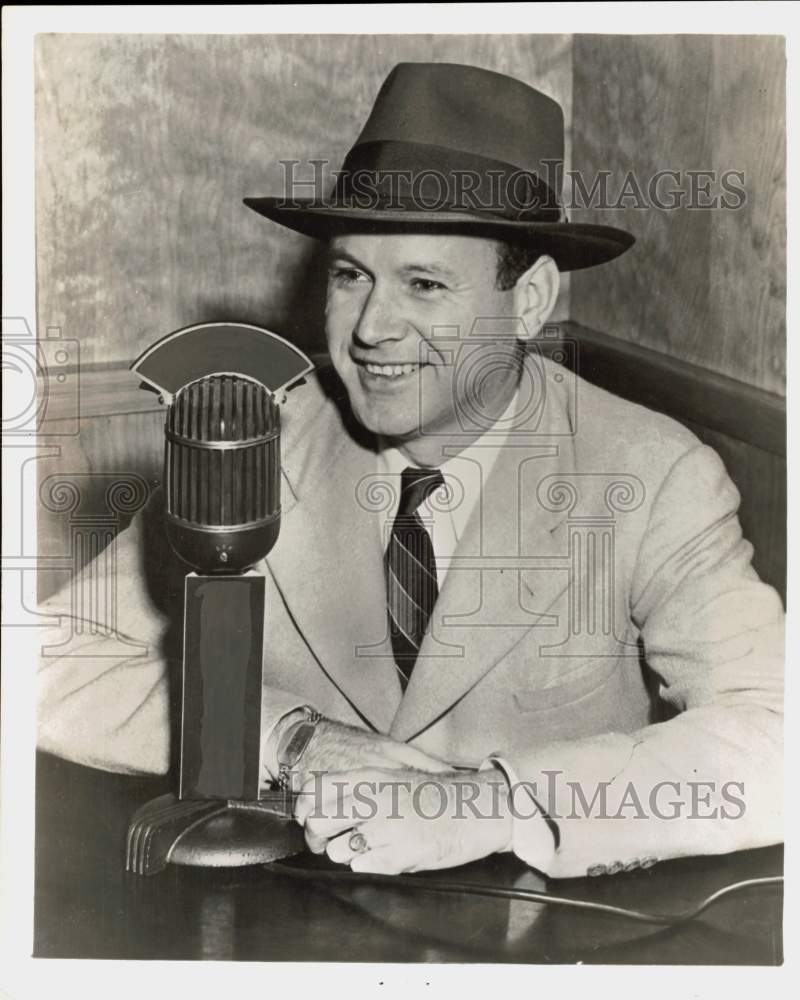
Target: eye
344, 276
424, 286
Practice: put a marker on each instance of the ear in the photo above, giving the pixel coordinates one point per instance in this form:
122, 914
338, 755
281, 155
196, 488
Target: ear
535, 295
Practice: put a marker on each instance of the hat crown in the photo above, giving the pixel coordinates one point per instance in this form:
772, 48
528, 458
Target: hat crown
455, 149
468, 110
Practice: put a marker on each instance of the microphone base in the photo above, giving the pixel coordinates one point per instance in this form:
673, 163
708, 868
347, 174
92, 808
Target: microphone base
212, 834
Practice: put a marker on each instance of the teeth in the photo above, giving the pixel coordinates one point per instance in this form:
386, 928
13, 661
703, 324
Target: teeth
390, 371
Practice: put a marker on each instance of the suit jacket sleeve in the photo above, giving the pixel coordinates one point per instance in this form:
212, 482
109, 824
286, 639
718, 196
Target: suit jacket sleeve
104, 700
709, 780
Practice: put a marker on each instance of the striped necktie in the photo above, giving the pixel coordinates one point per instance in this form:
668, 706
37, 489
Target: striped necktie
411, 585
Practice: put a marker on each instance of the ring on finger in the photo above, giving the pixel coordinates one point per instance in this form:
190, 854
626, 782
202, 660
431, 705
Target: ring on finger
358, 842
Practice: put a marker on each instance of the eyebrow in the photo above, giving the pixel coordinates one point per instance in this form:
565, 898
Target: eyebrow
435, 267
334, 254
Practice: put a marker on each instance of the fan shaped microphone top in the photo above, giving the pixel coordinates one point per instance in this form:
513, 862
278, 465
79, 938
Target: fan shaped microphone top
221, 383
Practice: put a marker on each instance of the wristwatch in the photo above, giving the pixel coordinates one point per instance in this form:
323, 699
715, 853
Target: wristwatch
296, 747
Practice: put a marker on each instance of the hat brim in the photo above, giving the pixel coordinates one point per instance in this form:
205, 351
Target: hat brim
572, 245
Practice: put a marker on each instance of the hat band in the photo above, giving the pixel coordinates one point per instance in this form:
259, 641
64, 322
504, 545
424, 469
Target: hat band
408, 176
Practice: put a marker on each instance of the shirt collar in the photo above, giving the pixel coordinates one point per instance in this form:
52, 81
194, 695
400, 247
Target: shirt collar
391, 461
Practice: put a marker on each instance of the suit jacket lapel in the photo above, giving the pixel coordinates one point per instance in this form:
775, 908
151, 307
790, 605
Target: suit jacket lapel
484, 611
328, 565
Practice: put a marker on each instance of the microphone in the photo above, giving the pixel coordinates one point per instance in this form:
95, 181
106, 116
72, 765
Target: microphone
222, 473
221, 383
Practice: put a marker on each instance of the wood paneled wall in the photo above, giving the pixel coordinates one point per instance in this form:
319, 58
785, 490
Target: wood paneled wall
746, 426
147, 145
704, 285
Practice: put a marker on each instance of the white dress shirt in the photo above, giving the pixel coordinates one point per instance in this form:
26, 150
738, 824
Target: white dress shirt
532, 839
446, 523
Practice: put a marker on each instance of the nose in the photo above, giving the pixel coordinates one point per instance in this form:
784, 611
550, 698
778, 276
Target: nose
380, 319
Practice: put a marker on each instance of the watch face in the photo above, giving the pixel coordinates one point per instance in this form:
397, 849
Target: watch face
299, 741
195, 352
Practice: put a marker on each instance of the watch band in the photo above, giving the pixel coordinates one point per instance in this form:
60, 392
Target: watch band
296, 747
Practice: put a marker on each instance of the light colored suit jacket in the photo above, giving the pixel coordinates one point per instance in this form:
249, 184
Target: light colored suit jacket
600, 627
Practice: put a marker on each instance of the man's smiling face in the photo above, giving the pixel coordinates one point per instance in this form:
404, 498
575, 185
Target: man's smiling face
386, 296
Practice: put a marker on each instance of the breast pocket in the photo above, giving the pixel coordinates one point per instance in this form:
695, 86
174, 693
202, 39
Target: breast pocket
576, 685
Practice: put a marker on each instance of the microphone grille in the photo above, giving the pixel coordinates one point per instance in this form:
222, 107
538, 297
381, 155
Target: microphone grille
223, 452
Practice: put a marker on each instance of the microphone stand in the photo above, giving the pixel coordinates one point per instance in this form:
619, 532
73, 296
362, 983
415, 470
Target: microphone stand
211, 834
223, 815
222, 475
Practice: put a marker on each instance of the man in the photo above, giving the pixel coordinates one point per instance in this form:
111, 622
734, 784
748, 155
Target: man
476, 548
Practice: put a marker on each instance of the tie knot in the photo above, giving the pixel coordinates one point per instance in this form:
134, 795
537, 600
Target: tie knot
416, 485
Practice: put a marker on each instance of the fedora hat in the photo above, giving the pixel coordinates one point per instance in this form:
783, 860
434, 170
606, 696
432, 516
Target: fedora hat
456, 149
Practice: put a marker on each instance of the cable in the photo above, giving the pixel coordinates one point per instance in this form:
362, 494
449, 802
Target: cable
530, 895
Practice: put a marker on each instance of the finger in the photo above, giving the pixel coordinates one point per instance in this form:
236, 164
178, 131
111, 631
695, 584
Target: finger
351, 799
339, 850
387, 758
326, 794
320, 831
316, 845
382, 861
412, 757
318, 797
333, 814
325, 829
374, 832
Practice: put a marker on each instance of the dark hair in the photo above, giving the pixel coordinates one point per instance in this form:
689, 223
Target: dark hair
513, 260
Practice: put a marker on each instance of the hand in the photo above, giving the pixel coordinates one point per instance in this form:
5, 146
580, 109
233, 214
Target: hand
409, 820
336, 747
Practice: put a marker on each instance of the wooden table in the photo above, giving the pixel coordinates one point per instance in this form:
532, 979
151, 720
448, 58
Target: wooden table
88, 907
